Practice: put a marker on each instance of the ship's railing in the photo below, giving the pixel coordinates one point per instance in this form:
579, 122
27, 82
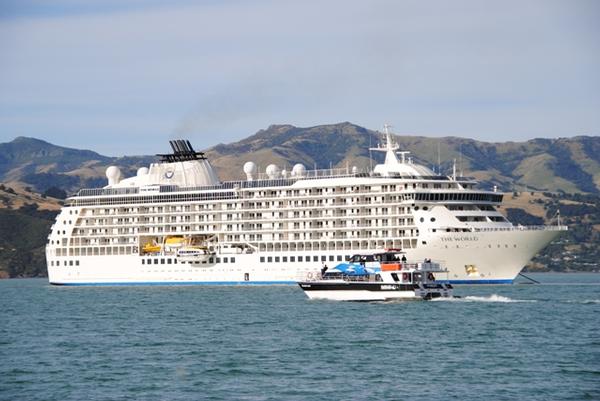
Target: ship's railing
521, 228
107, 191
262, 181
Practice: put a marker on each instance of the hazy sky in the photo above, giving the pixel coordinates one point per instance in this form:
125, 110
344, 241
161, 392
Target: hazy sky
123, 77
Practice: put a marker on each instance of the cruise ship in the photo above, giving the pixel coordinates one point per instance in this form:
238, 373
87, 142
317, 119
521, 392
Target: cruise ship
177, 223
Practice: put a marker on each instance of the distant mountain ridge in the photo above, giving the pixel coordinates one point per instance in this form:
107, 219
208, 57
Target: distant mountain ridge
567, 164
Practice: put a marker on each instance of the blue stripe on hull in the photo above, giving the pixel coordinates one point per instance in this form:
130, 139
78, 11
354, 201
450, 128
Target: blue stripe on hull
165, 283
481, 281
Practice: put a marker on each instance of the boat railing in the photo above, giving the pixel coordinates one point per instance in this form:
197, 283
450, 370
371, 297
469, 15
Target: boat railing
521, 228
345, 277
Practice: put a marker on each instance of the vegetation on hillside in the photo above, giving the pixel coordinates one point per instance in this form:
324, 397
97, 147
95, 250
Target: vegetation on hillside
577, 249
23, 236
41, 174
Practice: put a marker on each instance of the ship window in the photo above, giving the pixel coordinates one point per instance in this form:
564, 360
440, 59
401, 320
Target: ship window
262, 259
65, 262
51, 263
395, 276
416, 207
276, 259
323, 258
331, 258
315, 258
162, 261
77, 262
211, 260
219, 260
299, 258
284, 259
169, 261
232, 260
269, 259
155, 261
421, 219
226, 260
432, 219
425, 208
339, 258
143, 261
424, 242
292, 258
175, 261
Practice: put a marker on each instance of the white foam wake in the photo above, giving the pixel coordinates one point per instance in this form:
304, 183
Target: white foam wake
495, 298
489, 298
585, 301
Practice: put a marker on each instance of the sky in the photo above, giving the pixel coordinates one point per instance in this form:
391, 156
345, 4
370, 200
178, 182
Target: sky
124, 77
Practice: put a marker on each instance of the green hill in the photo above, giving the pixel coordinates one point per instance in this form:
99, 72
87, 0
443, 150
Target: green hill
569, 165
30, 167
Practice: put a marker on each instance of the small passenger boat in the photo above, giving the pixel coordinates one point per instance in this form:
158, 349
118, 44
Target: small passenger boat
378, 277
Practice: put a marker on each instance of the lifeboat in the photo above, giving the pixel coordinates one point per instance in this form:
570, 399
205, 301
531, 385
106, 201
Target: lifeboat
151, 248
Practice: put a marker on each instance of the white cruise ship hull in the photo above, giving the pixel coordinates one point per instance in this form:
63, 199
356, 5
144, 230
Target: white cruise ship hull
280, 227
493, 257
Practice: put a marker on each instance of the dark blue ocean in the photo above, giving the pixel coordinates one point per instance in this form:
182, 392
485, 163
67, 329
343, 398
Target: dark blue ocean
506, 342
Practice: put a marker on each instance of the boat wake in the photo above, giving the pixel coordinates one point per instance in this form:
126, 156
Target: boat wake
585, 301
490, 298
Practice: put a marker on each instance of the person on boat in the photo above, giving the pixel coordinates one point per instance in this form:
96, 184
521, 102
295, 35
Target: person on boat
403, 258
323, 269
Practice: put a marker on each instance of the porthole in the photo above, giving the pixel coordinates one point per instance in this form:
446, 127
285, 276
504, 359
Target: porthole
421, 219
416, 207
425, 208
432, 219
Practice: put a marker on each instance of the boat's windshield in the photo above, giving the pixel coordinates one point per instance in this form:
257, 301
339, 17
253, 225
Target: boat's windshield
362, 258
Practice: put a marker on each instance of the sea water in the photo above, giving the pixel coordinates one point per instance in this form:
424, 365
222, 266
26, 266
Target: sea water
508, 342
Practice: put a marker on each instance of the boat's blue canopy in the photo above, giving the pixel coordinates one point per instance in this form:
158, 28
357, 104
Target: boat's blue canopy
354, 269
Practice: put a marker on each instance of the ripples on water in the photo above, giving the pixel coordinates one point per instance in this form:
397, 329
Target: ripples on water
534, 342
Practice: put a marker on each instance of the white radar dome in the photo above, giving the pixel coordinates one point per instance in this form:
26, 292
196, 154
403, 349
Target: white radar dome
113, 174
272, 171
142, 171
298, 170
250, 170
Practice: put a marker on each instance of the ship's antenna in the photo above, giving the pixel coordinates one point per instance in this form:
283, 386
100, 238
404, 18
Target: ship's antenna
454, 170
